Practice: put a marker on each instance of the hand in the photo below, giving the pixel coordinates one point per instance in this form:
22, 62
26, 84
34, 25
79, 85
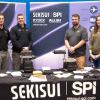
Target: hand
72, 50
25, 49
97, 56
93, 56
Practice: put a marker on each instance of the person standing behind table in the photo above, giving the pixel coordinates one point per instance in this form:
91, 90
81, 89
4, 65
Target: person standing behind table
75, 41
4, 38
95, 43
20, 37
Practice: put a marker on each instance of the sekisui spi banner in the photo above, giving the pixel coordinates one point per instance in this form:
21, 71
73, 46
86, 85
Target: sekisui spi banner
49, 22
63, 90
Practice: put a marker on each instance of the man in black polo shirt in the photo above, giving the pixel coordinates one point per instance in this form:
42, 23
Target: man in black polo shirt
75, 41
4, 38
20, 37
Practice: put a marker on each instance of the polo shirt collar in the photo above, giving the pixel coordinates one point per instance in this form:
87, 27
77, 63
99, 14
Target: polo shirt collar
74, 29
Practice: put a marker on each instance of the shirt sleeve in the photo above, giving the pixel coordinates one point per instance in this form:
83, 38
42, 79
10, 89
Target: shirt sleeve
66, 35
84, 35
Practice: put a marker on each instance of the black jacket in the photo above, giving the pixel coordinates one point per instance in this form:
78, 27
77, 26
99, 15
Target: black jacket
20, 37
4, 38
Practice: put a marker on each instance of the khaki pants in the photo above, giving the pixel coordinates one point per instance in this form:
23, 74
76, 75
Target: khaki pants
16, 61
81, 62
3, 60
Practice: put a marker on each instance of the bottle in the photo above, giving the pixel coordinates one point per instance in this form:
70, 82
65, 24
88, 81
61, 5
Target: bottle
10, 48
10, 60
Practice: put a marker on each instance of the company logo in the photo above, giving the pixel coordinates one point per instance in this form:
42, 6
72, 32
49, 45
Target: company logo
93, 9
35, 91
82, 88
92, 19
91, 28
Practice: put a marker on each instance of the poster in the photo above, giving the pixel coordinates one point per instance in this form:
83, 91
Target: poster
49, 22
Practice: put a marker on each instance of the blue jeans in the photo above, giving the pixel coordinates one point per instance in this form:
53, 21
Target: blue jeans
97, 63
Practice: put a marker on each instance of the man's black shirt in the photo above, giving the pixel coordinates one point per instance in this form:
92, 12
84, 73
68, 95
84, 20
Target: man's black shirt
4, 38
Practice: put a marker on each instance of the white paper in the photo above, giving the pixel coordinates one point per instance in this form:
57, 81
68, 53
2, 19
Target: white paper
78, 77
8, 72
80, 72
67, 75
41, 78
57, 72
88, 68
64, 75
3, 74
58, 75
16, 73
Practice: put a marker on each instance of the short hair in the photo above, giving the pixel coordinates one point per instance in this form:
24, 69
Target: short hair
1, 14
76, 15
20, 14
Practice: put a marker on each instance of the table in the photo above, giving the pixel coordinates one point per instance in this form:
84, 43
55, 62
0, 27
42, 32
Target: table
20, 88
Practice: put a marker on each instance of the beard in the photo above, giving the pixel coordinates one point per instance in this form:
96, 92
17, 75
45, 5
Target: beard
1, 25
75, 24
